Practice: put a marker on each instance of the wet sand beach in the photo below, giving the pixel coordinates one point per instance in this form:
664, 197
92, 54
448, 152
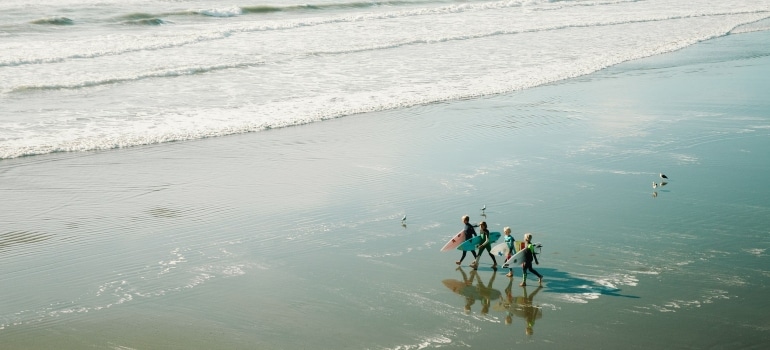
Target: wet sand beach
292, 238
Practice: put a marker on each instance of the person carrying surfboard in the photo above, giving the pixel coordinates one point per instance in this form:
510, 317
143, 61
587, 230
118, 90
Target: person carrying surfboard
469, 233
485, 245
529, 256
509, 241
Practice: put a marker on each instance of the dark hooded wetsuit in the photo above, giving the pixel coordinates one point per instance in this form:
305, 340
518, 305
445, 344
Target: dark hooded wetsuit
469, 233
527, 265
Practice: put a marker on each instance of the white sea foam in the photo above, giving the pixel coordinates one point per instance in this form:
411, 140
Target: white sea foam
223, 70
224, 12
681, 305
428, 342
579, 298
755, 251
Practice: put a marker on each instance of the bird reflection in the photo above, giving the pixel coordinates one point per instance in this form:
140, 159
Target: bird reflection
656, 185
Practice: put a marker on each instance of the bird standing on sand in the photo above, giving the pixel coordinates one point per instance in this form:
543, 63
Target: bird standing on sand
663, 176
654, 185
484, 207
404, 218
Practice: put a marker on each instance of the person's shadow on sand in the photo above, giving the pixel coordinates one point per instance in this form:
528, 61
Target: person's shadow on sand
562, 282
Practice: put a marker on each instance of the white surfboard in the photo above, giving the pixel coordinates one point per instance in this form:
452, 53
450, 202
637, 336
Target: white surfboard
518, 258
500, 251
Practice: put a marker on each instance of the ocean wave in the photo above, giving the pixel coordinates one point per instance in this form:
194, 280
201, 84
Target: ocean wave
757, 26
141, 18
223, 12
333, 6
312, 108
146, 22
262, 9
57, 21
223, 33
168, 73
187, 125
185, 71
531, 30
135, 16
132, 46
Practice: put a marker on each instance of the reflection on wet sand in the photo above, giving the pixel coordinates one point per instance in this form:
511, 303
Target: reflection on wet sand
520, 306
471, 292
472, 288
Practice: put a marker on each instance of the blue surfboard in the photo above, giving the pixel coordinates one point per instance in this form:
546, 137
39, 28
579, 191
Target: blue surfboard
471, 243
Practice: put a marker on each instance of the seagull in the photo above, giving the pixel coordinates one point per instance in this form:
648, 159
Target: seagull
404, 218
654, 185
484, 207
663, 176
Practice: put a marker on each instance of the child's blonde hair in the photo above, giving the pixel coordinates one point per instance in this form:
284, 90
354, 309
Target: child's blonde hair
507, 230
527, 236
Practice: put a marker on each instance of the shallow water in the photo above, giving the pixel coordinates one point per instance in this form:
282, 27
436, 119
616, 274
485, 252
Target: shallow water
292, 237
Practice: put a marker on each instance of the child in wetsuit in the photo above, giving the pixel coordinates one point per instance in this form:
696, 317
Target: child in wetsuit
529, 256
469, 233
485, 245
509, 241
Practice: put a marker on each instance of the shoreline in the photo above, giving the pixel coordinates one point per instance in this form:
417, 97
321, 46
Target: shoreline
240, 241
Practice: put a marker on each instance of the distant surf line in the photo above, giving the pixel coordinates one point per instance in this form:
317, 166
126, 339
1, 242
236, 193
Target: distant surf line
186, 71
224, 34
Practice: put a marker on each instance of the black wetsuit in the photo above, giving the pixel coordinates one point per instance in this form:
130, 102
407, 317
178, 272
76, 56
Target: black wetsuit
528, 257
469, 233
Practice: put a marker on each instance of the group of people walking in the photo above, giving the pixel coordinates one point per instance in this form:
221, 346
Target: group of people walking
486, 244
